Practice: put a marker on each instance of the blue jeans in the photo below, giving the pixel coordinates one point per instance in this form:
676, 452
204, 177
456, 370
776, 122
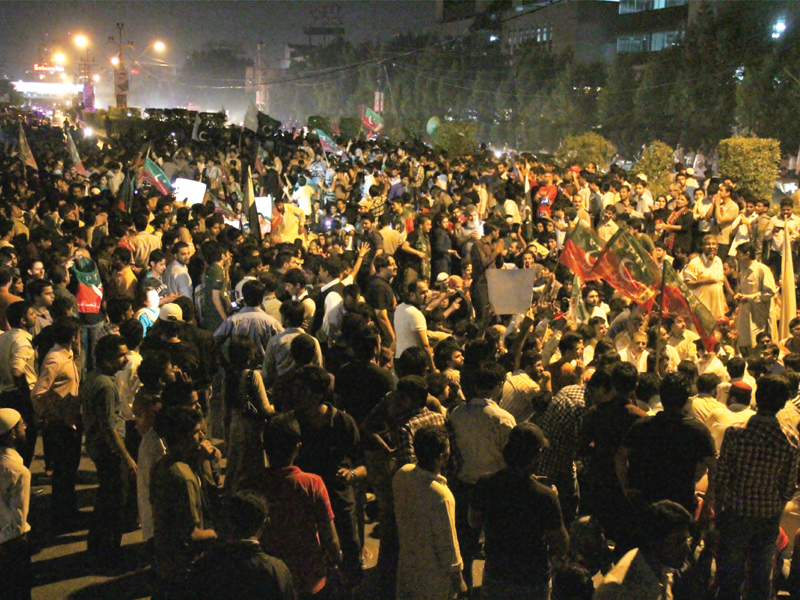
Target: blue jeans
746, 542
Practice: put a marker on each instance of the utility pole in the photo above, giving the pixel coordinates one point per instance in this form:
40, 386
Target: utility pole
121, 83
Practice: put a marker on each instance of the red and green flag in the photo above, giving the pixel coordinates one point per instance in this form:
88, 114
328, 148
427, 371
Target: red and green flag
627, 267
372, 120
25, 153
580, 251
326, 141
152, 174
77, 163
680, 301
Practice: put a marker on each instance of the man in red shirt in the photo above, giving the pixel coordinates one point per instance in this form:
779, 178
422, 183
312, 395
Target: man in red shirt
301, 531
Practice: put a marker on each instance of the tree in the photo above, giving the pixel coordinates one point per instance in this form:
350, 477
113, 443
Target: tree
752, 163
656, 162
587, 147
457, 138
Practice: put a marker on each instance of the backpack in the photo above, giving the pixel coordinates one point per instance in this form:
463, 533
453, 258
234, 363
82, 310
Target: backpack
90, 287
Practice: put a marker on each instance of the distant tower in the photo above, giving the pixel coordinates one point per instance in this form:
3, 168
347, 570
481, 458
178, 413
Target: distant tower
327, 24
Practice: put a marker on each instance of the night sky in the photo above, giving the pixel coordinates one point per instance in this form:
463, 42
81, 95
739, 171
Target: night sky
188, 25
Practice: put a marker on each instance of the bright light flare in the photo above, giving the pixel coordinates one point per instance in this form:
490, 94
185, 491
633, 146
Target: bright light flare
115, 60
95, 78
59, 58
81, 41
88, 132
159, 46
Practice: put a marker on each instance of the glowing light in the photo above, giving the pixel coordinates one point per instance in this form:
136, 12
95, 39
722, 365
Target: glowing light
88, 132
81, 41
95, 78
63, 76
159, 46
60, 58
115, 60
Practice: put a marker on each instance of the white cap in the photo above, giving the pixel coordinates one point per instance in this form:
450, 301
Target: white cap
171, 312
8, 419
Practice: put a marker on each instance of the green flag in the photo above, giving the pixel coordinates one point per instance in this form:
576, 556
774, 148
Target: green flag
152, 174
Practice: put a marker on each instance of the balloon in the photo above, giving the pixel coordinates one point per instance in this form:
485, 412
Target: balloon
433, 123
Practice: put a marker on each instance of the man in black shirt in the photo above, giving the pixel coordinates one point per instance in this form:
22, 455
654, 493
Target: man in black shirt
380, 296
521, 519
662, 457
240, 568
331, 448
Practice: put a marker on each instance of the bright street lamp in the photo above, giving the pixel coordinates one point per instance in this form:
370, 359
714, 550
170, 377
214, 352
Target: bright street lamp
81, 41
159, 46
95, 78
59, 58
115, 60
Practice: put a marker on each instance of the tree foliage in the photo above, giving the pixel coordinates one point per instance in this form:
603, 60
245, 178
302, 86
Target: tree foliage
751, 162
587, 147
656, 162
457, 138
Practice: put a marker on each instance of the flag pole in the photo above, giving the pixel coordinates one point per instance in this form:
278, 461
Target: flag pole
659, 341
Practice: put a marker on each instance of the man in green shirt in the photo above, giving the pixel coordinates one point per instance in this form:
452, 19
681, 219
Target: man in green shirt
216, 304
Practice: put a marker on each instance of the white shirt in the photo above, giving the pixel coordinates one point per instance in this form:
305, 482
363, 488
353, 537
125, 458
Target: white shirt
128, 383
721, 418
16, 354
481, 430
151, 449
426, 526
408, 322
15, 495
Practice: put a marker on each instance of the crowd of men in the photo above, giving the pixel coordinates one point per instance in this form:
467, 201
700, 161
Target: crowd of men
348, 364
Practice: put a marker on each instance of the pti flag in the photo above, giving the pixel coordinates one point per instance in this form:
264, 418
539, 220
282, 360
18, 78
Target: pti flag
372, 120
25, 153
76, 158
679, 301
580, 251
627, 267
788, 291
249, 205
152, 174
327, 143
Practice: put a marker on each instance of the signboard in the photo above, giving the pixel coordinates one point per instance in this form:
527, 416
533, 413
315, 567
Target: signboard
121, 87
189, 191
510, 290
88, 97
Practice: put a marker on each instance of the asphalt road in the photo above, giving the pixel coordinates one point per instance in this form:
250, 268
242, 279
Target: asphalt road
64, 570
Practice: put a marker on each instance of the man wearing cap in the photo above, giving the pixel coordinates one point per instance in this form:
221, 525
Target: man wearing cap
15, 495
521, 520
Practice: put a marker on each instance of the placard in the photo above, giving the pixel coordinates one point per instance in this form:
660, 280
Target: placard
510, 290
189, 191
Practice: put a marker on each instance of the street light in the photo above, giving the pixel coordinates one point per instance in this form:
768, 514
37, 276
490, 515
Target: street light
115, 60
81, 41
159, 46
59, 58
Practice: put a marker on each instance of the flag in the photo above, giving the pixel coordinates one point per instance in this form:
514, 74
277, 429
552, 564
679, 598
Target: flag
372, 120
25, 153
577, 305
327, 143
627, 267
249, 205
196, 128
259, 162
152, 174
680, 301
76, 158
580, 251
251, 118
259, 123
788, 292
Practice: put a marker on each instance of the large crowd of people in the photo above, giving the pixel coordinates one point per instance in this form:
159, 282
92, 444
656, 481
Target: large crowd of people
252, 398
